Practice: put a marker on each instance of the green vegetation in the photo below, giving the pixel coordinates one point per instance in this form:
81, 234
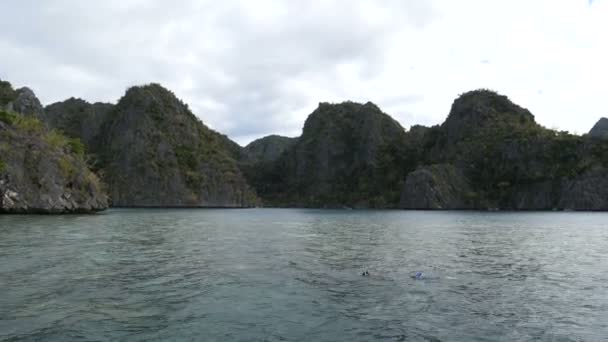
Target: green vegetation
186, 157
66, 166
7, 94
26, 123
7, 117
59, 141
506, 154
56, 139
48, 168
76, 146
29, 124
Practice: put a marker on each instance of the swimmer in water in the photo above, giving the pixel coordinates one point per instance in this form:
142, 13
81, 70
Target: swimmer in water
365, 274
418, 275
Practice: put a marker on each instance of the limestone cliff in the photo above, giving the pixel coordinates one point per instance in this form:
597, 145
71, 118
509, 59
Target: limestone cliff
78, 119
506, 160
437, 187
155, 152
42, 171
342, 158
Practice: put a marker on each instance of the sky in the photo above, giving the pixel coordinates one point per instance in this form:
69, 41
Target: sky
253, 68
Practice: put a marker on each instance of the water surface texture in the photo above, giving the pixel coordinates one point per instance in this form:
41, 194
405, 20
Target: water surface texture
279, 274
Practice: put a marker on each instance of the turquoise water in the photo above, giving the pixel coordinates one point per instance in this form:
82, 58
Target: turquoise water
293, 275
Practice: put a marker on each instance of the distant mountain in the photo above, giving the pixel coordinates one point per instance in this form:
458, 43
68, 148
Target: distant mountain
41, 170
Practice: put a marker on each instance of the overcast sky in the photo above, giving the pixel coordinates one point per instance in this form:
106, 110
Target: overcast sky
253, 68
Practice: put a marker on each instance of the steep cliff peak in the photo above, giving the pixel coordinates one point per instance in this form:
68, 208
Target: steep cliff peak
346, 115
480, 108
27, 103
157, 153
155, 97
600, 129
22, 100
341, 158
483, 104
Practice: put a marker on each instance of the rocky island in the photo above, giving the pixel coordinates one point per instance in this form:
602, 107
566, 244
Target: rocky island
153, 152
150, 150
41, 170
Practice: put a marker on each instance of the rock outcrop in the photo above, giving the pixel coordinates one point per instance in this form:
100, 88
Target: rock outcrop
26, 103
587, 191
78, 119
437, 187
22, 100
600, 129
156, 153
42, 171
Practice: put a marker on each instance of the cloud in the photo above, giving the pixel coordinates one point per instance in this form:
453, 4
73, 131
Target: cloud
254, 68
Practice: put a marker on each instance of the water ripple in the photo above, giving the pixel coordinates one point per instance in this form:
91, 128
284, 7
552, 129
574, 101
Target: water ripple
292, 275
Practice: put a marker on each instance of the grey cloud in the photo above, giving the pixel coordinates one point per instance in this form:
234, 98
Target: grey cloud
242, 56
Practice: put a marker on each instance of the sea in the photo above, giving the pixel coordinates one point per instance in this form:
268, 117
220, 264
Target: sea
304, 275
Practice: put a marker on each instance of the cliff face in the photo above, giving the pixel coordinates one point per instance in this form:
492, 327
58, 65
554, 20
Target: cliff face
337, 161
587, 191
78, 119
437, 187
42, 171
22, 100
338, 139
155, 152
